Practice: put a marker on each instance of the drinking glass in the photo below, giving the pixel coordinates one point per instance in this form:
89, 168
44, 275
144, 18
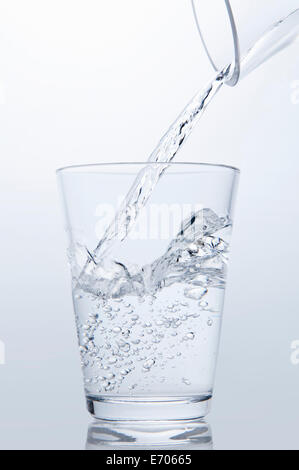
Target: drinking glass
149, 309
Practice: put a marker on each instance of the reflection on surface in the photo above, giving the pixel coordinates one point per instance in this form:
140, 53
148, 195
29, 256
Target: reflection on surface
192, 434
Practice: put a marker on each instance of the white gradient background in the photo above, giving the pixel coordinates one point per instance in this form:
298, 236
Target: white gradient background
90, 81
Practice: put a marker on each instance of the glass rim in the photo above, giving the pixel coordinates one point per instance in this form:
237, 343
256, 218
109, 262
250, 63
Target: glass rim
87, 166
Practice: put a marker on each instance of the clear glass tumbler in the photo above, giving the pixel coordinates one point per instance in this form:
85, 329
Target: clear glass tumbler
149, 311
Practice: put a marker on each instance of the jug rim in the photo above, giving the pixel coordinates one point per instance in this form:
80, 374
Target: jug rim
234, 69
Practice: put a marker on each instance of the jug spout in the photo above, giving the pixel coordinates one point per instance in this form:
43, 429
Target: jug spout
240, 35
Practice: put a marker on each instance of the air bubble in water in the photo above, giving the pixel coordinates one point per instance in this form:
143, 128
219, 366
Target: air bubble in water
125, 347
110, 376
107, 308
126, 333
136, 341
112, 360
186, 381
147, 365
190, 335
116, 329
196, 293
131, 387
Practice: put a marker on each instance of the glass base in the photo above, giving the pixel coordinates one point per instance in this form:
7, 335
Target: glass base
149, 409
189, 434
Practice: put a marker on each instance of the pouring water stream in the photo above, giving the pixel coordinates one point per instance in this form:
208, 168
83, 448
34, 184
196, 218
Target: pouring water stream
280, 35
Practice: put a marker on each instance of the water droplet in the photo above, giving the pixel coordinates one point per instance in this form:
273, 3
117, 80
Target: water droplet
210, 322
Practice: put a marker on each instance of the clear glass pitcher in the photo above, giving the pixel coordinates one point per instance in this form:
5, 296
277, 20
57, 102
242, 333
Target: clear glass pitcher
242, 34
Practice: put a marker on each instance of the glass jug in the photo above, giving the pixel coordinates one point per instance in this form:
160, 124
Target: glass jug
239, 35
